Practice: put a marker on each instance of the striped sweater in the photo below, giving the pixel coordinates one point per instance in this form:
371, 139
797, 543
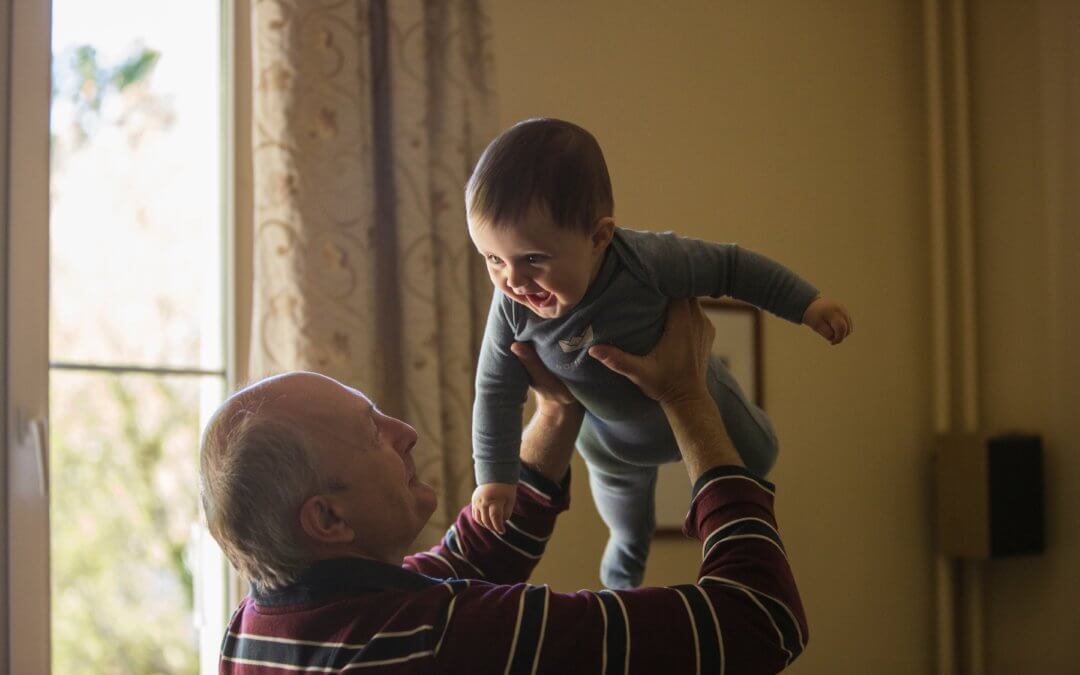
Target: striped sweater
464, 606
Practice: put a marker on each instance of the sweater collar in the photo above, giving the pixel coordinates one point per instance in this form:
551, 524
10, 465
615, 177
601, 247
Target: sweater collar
342, 576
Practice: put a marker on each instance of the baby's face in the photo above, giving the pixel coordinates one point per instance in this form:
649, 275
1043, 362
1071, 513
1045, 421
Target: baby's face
539, 264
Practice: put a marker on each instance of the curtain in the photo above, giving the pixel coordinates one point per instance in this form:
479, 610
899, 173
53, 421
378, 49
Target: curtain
368, 117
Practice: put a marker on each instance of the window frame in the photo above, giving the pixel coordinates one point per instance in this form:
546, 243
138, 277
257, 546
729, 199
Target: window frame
27, 102
25, 110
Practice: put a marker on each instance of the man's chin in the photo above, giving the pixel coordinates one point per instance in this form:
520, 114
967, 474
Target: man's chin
427, 498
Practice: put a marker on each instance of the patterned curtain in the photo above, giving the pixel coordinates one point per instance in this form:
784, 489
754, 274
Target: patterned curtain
368, 117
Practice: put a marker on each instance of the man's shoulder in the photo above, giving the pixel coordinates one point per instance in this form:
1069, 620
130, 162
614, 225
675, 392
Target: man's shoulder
334, 629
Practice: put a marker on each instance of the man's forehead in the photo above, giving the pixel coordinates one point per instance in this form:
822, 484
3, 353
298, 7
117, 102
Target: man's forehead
331, 410
301, 392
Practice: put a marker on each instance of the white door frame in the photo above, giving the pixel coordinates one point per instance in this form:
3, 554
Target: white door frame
26, 339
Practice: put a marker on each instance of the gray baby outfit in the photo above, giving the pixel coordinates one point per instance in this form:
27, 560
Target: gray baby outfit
625, 435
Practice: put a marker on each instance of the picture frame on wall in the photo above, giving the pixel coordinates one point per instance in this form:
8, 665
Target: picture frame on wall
738, 344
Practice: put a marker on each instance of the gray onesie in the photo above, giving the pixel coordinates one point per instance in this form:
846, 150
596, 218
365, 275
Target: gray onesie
625, 435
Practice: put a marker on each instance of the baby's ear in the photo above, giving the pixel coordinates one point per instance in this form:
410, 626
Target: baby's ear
602, 233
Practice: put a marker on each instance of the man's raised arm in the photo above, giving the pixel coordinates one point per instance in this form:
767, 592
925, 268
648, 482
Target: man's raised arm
742, 613
471, 551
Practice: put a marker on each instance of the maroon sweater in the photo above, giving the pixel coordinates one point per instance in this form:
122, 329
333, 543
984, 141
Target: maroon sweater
463, 606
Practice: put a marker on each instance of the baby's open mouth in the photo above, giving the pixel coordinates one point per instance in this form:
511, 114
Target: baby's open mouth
541, 299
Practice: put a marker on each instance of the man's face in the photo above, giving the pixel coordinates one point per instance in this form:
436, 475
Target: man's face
538, 264
370, 454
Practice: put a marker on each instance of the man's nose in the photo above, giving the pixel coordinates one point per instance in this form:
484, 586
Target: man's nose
404, 436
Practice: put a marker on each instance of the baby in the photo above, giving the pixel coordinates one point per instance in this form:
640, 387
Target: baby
540, 212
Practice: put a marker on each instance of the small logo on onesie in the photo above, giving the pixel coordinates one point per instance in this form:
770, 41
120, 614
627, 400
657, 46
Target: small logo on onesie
576, 343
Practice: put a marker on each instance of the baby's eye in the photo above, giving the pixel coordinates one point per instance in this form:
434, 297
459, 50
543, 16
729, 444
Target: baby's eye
534, 259
494, 259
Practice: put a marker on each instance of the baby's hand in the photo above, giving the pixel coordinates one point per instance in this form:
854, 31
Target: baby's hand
492, 504
830, 319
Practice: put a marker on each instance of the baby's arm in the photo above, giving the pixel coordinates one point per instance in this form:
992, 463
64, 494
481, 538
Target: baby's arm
501, 387
546, 446
683, 267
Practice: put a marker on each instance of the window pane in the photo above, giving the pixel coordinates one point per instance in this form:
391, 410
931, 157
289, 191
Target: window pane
124, 470
136, 279
135, 183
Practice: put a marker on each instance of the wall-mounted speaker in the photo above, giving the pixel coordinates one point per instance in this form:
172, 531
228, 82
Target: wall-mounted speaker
989, 495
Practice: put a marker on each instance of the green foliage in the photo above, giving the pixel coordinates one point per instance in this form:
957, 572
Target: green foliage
124, 499
135, 69
90, 78
86, 83
124, 448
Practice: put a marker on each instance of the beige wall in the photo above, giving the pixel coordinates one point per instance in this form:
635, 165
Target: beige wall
798, 129
1026, 103
795, 129
5, 33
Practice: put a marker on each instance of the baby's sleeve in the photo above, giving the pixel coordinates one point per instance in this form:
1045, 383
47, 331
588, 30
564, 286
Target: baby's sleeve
502, 385
682, 267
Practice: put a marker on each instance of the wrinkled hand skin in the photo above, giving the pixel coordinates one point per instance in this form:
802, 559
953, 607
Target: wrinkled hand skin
675, 368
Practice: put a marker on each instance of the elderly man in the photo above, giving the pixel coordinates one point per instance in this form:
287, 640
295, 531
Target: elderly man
313, 495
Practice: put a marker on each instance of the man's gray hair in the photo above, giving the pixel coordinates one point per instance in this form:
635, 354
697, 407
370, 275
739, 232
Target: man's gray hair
257, 469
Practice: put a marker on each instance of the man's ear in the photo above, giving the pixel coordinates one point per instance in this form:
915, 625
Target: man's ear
602, 233
320, 520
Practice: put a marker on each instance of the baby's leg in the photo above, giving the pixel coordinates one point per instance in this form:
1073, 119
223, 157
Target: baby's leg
749, 428
626, 503
624, 496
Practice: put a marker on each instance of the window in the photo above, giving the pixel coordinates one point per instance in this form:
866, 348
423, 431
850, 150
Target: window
137, 335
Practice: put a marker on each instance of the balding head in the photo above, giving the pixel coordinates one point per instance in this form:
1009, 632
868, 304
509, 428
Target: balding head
259, 463
300, 467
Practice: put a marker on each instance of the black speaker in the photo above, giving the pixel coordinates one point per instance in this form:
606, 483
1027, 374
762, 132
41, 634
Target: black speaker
990, 495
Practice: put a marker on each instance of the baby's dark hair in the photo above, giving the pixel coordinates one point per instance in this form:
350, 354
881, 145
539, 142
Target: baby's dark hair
543, 163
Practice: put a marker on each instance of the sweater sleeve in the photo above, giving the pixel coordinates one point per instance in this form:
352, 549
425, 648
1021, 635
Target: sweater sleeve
743, 614
682, 267
502, 385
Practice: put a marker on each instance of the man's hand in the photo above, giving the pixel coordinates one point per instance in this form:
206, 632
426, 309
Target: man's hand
675, 368
550, 390
673, 374
829, 319
492, 504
